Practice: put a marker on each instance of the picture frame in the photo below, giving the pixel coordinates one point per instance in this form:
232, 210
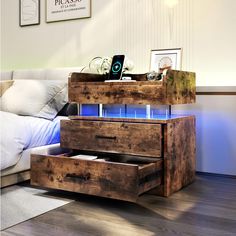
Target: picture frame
61, 10
29, 12
166, 59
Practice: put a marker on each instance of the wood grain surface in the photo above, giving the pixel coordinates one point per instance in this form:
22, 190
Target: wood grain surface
101, 178
177, 87
117, 137
202, 208
117, 92
179, 153
180, 87
157, 120
180, 159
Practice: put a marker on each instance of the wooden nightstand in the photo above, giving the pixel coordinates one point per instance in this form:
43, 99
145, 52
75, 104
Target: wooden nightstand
134, 155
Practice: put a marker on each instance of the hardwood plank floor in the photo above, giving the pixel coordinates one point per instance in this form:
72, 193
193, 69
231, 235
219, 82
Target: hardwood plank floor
207, 207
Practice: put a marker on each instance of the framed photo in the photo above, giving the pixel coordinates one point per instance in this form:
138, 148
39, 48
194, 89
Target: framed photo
59, 10
165, 59
29, 12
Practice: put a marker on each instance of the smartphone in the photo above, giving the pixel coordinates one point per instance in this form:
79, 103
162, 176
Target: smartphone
116, 67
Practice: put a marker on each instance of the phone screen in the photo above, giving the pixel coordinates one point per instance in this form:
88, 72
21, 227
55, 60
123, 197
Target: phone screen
116, 67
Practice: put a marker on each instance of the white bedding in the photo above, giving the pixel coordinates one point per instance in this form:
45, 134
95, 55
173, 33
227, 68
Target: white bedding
19, 133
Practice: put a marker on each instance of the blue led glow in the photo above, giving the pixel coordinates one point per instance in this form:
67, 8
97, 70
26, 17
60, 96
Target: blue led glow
89, 110
130, 111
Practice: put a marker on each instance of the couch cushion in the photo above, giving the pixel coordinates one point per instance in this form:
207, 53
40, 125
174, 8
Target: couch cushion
60, 73
45, 74
6, 75
39, 98
33, 74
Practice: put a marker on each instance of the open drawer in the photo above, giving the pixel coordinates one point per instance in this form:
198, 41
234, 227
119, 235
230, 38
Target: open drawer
111, 176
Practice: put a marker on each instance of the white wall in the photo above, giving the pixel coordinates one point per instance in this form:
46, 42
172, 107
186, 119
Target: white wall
216, 132
205, 29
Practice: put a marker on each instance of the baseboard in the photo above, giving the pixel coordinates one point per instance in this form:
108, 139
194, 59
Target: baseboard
15, 178
216, 175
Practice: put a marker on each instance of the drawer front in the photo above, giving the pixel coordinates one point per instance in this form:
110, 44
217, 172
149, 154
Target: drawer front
140, 92
107, 179
115, 137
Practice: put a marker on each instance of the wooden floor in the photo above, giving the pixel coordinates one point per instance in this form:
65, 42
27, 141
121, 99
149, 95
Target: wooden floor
207, 207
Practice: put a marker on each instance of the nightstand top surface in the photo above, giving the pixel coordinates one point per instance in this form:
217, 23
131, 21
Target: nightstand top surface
163, 119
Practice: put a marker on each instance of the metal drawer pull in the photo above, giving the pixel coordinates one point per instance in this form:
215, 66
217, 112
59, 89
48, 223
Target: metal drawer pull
81, 177
105, 137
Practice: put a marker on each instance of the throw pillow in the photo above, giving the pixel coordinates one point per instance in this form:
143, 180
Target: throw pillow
39, 98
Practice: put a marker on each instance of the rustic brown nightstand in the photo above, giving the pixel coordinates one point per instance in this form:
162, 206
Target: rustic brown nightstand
135, 155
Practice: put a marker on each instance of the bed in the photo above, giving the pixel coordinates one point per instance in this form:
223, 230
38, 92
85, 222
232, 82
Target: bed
31, 104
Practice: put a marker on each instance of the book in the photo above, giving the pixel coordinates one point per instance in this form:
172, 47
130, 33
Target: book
85, 157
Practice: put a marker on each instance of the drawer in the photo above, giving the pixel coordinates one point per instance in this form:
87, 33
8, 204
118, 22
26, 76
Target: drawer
143, 139
118, 177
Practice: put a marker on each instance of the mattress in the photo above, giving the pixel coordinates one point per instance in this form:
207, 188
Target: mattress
22, 133
24, 163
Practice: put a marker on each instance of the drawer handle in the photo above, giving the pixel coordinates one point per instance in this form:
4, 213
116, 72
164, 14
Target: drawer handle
105, 137
82, 177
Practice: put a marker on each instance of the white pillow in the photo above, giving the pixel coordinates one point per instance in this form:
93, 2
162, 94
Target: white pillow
39, 98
